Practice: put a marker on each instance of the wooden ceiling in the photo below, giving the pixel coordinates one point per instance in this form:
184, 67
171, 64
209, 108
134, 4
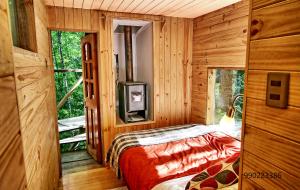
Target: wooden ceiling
176, 8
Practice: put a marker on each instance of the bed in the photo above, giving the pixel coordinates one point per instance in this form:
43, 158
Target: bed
167, 158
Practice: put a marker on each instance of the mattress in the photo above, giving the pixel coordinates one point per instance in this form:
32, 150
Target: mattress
180, 183
143, 167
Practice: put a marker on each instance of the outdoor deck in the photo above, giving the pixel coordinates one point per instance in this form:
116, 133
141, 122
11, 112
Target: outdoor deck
69, 125
77, 161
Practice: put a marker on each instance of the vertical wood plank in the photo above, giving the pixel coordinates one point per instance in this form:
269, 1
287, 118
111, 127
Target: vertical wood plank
60, 17
173, 89
162, 76
156, 66
86, 14
167, 70
69, 18
188, 79
78, 19
179, 70
95, 20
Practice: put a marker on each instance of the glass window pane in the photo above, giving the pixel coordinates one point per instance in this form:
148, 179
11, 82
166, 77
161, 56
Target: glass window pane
227, 84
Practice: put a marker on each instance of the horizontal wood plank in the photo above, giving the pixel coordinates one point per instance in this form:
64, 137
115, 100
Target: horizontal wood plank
283, 122
262, 3
254, 165
269, 21
28, 75
221, 52
256, 86
229, 9
237, 12
25, 58
279, 151
77, 138
280, 53
227, 25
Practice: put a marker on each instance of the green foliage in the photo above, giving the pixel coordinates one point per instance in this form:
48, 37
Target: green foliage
72, 146
238, 88
66, 53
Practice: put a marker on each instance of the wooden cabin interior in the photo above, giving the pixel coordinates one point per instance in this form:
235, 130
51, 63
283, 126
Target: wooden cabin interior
167, 54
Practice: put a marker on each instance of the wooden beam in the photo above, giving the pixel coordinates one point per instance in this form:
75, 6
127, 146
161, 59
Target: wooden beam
68, 70
77, 138
65, 98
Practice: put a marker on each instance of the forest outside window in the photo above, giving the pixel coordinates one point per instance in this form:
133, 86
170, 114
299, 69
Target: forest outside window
223, 86
23, 24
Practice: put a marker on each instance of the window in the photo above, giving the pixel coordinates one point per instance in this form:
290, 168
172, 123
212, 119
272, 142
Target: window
23, 24
223, 86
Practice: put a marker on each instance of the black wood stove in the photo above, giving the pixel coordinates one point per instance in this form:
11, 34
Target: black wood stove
133, 96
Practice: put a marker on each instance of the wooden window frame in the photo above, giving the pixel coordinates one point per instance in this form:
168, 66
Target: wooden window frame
23, 27
210, 112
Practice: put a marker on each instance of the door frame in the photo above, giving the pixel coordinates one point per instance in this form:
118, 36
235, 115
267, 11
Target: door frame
53, 80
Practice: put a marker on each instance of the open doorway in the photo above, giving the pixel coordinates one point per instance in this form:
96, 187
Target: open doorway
71, 97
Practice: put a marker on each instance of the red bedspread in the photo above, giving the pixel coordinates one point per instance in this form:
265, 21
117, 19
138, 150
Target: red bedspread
146, 166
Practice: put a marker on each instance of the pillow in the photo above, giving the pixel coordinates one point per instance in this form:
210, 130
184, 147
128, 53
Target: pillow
217, 176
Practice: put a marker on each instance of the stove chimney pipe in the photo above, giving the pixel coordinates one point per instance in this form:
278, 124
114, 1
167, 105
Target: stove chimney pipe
128, 53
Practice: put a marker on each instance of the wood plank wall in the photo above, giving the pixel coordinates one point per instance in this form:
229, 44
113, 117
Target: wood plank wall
219, 41
12, 169
172, 47
37, 107
271, 135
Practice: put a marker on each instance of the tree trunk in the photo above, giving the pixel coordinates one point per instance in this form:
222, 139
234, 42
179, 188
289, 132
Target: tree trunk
65, 81
226, 88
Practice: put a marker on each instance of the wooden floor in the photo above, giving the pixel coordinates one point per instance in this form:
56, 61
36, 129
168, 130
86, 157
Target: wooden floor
93, 179
73, 162
80, 171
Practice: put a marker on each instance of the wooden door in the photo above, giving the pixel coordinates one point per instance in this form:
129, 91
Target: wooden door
91, 95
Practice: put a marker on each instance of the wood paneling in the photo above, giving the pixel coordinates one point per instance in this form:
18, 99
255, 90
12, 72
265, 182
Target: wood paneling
172, 47
269, 22
261, 3
9, 118
272, 53
279, 151
176, 8
250, 185
256, 87
271, 135
285, 181
219, 40
37, 109
12, 169
12, 172
283, 122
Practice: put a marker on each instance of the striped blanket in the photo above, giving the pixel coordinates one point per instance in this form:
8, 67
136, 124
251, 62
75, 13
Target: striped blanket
151, 137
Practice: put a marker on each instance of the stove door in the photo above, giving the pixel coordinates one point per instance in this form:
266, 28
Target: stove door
136, 98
